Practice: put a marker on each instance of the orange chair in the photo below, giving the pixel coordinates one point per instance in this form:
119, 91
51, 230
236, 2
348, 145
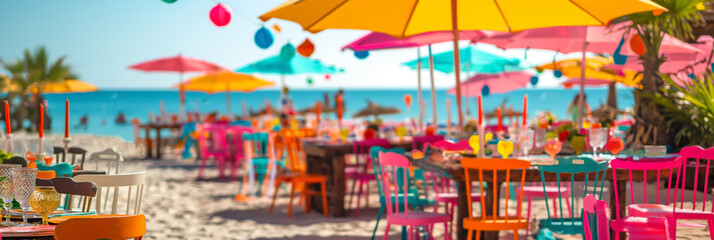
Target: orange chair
108, 227
46, 174
291, 141
494, 221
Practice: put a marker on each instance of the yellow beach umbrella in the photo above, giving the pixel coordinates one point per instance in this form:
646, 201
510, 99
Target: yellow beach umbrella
227, 82
403, 18
571, 68
66, 86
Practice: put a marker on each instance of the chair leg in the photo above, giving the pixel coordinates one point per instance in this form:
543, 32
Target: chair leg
379, 216
528, 214
306, 195
234, 167
386, 232
567, 204
411, 233
672, 225
292, 194
200, 169
323, 191
447, 231
275, 195
470, 235
555, 207
366, 198
352, 192
360, 191
711, 229
515, 234
478, 234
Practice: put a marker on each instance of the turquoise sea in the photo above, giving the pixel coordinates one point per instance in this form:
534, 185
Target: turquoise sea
103, 106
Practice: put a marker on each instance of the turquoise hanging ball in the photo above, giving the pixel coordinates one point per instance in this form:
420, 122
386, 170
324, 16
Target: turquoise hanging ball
361, 54
557, 73
263, 38
169, 1
485, 91
287, 52
534, 80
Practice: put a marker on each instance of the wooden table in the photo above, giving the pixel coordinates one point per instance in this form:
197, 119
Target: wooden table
328, 158
157, 127
532, 175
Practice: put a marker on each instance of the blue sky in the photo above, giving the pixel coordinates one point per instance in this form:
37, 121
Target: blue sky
101, 38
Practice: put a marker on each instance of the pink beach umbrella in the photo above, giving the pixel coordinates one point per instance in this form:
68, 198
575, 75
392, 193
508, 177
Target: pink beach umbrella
588, 82
380, 41
583, 39
496, 83
688, 62
178, 64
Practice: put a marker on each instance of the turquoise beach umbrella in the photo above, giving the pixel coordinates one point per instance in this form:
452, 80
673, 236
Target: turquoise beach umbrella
296, 65
475, 59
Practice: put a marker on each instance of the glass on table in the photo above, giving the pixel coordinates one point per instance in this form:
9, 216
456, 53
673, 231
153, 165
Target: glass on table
6, 191
552, 147
505, 148
540, 137
48, 151
44, 200
526, 139
596, 139
23, 185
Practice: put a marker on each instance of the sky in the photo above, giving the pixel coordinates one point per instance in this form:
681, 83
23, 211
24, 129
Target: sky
101, 38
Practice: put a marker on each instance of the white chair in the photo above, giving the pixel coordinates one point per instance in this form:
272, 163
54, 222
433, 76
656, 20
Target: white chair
105, 182
109, 155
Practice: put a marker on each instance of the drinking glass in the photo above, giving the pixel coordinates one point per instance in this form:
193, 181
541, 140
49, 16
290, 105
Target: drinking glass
6, 192
44, 200
526, 141
474, 143
19, 148
23, 185
540, 137
615, 145
552, 147
33, 149
595, 139
48, 151
505, 148
577, 142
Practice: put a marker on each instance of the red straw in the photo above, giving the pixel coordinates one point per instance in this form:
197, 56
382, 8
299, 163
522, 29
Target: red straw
525, 110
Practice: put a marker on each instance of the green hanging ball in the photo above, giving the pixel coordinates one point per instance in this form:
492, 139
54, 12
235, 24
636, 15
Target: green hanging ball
287, 52
169, 1
309, 81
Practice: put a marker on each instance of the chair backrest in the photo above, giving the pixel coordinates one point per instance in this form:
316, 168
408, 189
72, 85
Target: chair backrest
105, 227
418, 142
16, 160
374, 154
571, 166
60, 155
291, 141
109, 155
667, 166
77, 153
104, 182
258, 142
234, 135
60, 169
361, 152
493, 167
395, 183
701, 159
85, 190
212, 138
46, 174
592, 207
452, 146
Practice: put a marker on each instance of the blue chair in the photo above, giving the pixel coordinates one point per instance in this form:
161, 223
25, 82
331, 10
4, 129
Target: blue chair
572, 166
260, 146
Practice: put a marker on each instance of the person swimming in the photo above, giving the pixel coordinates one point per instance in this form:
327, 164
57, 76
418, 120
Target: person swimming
83, 121
120, 119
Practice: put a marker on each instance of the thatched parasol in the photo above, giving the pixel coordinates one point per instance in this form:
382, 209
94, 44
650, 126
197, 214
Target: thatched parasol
311, 109
261, 112
373, 109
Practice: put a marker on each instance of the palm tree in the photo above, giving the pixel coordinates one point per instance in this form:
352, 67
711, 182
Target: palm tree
34, 69
651, 27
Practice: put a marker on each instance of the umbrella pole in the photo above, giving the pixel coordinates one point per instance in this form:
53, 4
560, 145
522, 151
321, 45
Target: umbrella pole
245, 111
582, 87
182, 98
457, 68
419, 123
433, 90
466, 96
228, 104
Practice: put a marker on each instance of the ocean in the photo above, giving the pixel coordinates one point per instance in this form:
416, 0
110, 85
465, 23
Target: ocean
102, 107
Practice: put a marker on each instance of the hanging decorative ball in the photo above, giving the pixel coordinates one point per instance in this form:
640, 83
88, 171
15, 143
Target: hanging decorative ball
361, 54
169, 1
539, 69
568, 85
263, 38
485, 91
306, 48
220, 15
327, 77
557, 73
408, 100
657, 12
287, 52
637, 45
701, 7
277, 28
534, 80
692, 76
309, 81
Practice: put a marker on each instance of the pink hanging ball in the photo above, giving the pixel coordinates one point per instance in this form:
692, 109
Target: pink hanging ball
220, 15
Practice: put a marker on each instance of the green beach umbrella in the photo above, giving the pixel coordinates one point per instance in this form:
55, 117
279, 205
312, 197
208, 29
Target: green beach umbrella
296, 65
474, 59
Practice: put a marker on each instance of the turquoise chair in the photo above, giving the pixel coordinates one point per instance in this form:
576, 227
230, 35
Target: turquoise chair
61, 169
413, 198
572, 166
259, 143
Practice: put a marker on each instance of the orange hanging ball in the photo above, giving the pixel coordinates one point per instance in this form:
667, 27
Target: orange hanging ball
306, 48
657, 12
637, 45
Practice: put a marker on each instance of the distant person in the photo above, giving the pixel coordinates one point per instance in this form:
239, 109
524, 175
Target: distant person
340, 93
120, 119
574, 108
84, 121
286, 102
326, 101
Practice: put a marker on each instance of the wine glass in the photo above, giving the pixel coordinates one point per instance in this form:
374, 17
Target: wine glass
23, 185
19, 148
505, 148
44, 200
595, 139
6, 192
48, 151
552, 147
526, 141
540, 137
474, 143
33, 150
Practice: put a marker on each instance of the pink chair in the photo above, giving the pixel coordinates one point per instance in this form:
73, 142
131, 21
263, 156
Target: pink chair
553, 192
419, 142
360, 172
236, 146
395, 166
213, 143
647, 208
638, 228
